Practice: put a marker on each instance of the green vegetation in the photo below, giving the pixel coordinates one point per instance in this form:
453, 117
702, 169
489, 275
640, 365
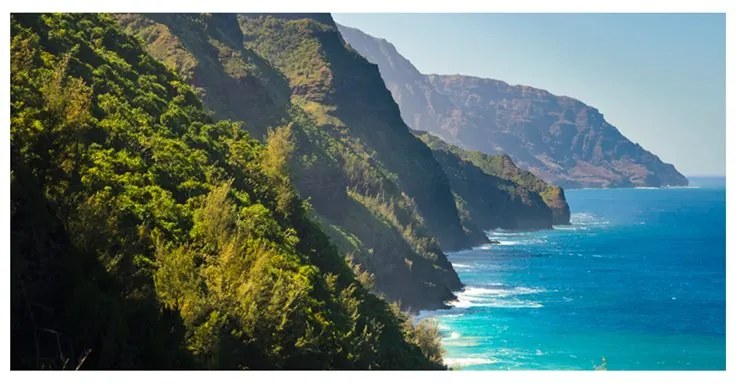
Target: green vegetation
375, 189
426, 335
147, 235
502, 167
397, 200
209, 55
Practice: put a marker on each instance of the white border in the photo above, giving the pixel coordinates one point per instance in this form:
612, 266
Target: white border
347, 6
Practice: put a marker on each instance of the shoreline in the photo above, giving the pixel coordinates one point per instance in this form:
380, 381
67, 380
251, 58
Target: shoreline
529, 304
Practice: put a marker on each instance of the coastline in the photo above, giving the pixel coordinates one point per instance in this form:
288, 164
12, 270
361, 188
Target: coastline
517, 293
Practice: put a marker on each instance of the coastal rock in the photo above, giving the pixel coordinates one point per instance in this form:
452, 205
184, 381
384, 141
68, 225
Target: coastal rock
496, 193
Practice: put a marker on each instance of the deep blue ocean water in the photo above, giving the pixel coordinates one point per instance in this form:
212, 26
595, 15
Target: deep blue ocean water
637, 280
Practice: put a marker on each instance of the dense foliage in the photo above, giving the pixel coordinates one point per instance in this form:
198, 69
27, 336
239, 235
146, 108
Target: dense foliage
231, 80
147, 235
376, 189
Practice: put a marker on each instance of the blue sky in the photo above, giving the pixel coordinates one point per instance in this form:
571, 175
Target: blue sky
659, 78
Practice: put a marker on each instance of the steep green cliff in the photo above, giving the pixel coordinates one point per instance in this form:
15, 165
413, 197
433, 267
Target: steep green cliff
492, 202
377, 189
346, 97
147, 235
496, 191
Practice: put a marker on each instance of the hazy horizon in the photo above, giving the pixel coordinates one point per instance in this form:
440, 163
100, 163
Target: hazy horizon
641, 77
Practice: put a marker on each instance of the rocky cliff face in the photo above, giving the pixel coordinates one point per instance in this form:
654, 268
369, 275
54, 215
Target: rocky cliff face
389, 202
494, 193
559, 139
376, 189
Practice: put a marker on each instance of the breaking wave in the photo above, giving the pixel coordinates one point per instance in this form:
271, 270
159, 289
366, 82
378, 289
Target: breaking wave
497, 297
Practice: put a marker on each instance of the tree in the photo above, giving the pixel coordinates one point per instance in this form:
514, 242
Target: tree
279, 147
275, 164
145, 235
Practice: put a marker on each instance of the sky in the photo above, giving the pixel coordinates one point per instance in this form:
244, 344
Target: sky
659, 78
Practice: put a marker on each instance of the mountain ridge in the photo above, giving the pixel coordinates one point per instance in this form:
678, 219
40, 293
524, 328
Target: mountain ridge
377, 189
344, 169
147, 235
560, 139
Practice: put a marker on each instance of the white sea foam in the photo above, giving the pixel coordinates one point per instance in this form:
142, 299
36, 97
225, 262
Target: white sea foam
456, 340
583, 220
501, 233
498, 291
496, 296
497, 303
467, 361
582, 217
522, 242
682, 187
460, 265
568, 228
454, 336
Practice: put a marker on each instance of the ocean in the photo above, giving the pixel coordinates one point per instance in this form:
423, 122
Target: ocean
636, 282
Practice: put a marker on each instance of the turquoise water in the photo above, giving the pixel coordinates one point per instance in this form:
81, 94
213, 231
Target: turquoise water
637, 280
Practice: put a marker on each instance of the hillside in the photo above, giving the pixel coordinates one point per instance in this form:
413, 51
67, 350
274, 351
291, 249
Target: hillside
146, 235
377, 190
558, 138
496, 191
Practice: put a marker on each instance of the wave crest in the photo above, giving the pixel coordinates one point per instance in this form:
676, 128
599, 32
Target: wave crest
497, 296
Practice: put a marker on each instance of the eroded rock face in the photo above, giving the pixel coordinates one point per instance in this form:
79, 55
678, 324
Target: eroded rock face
558, 138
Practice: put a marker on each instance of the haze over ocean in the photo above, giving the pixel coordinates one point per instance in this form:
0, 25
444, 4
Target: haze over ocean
637, 280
